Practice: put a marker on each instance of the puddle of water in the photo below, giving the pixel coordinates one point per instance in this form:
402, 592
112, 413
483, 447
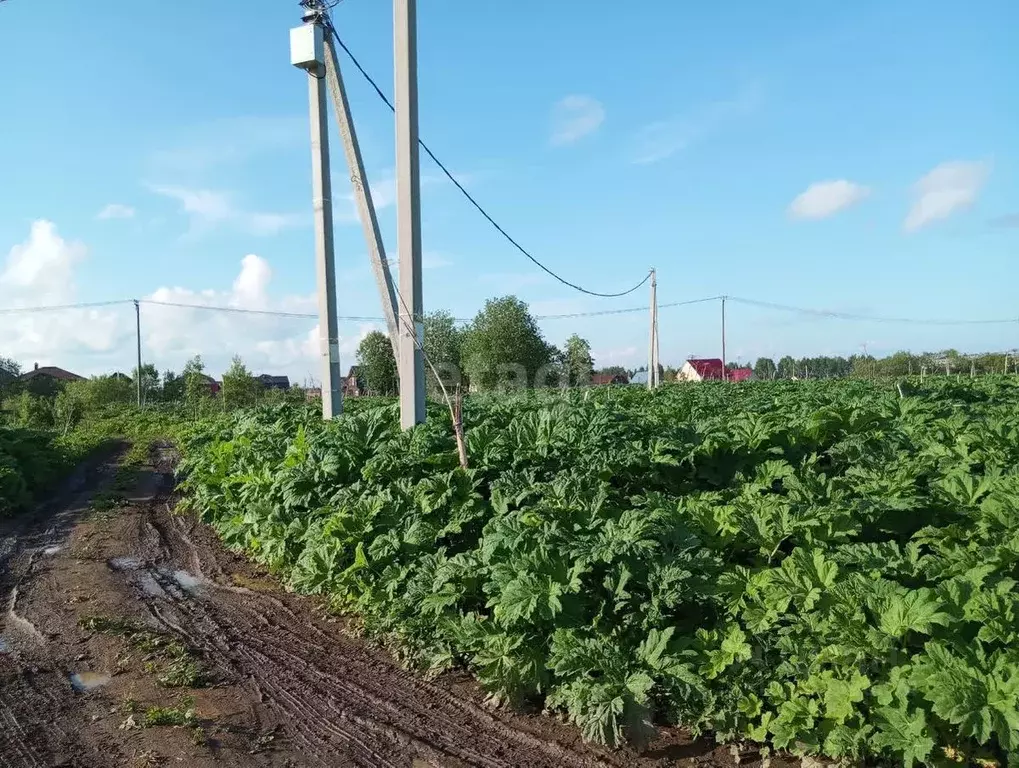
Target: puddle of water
87, 681
4, 647
149, 585
125, 563
52, 550
187, 581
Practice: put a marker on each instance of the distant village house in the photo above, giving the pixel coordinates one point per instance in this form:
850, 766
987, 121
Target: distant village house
50, 372
608, 379
353, 385
711, 369
274, 382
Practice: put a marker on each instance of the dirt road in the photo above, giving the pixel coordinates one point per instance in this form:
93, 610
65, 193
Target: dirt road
130, 637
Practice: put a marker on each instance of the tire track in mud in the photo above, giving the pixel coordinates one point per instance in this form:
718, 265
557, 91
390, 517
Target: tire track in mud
338, 703
290, 688
31, 682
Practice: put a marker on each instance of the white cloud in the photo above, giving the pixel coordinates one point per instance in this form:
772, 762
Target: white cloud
209, 208
949, 188
116, 211
574, 117
41, 271
661, 139
826, 198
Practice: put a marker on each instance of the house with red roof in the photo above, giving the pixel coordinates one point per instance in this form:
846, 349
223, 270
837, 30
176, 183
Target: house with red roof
701, 369
711, 369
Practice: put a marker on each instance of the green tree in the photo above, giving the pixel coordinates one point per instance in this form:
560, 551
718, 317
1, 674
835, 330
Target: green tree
786, 368
150, 383
9, 370
173, 387
197, 391
240, 388
504, 349
32, 410
765, 369
376, 364
101, 392
444, 346
617, 370
578, 363
70, 405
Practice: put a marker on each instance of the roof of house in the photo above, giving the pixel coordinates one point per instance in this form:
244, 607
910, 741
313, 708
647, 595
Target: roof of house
608, 378
707, 368
353, 371
269, 379
53, 372
640, 377
740, 374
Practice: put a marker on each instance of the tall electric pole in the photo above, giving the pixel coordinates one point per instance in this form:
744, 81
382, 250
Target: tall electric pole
652, 347
408, 215
725, 373
307, 53
362, 194
138, 339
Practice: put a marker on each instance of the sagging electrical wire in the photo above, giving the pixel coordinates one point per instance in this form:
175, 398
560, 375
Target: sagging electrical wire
470, 198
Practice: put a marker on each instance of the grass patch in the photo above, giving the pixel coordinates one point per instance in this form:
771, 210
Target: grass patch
173, 663
104, 503
182, 714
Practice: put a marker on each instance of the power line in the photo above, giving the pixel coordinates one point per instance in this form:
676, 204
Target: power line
244, 311
868, 318
466, 194
564, 316
58, 307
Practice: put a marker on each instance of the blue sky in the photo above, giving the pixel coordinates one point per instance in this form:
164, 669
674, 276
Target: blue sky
854, 157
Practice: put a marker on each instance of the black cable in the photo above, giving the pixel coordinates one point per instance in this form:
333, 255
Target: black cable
58, 307
467, 194
868, 318
243, 311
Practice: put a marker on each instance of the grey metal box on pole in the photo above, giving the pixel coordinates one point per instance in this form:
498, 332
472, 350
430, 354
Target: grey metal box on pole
306, 52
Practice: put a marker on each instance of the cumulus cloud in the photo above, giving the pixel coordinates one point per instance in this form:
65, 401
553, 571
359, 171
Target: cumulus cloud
268, 344
826, 198
41, 272
947, 189
574, 117
208, 208
663, 138
116, 211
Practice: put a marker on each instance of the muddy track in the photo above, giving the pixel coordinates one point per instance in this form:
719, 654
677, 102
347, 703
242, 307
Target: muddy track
290, 687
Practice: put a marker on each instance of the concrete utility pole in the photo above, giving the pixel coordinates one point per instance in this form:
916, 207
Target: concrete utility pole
362, 194
408, 215
307, 53
138, 339
652, 347
725, 373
